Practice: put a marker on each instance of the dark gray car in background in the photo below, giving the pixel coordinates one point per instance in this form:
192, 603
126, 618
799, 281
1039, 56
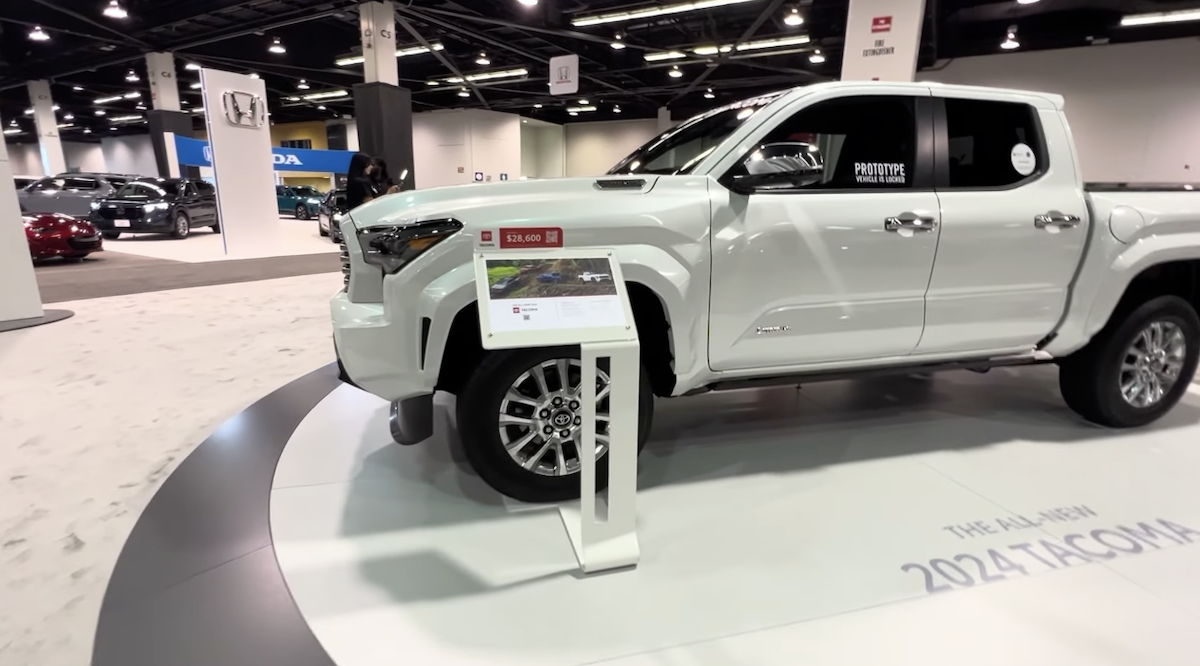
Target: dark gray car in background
69, 193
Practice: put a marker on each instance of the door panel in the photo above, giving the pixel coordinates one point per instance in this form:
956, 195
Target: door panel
1002, 277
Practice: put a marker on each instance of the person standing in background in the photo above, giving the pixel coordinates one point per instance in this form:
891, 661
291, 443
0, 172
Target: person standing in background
359, 186
382, 178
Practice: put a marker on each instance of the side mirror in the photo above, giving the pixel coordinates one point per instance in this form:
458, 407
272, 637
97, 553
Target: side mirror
776, 166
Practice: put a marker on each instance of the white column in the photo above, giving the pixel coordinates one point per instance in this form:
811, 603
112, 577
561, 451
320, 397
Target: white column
664, 119
883, 38
19, 298
378, 23
164, 87
53, 159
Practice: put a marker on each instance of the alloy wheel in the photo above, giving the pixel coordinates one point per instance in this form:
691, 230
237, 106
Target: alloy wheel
541, 417
1152, 364
181, 226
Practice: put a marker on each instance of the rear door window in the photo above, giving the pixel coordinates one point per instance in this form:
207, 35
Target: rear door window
993, 144
80, 184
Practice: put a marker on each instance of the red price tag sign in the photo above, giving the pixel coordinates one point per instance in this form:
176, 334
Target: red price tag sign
530, 237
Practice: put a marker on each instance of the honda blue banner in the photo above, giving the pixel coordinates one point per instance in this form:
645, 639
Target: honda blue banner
194, 152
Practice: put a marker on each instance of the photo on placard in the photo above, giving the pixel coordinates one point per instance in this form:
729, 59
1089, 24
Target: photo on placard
549, 278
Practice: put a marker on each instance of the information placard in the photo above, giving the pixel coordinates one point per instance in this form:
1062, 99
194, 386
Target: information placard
561, 296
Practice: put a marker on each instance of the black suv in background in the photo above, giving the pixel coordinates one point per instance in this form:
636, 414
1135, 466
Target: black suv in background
329, 213
157, 206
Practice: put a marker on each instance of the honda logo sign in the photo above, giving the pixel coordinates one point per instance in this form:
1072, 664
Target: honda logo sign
564, 75
244, 109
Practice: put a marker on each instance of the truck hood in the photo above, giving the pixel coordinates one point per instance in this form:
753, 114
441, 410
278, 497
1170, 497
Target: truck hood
487, 203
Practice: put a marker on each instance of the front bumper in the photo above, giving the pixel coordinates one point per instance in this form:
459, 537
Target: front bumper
156, 222
379, 356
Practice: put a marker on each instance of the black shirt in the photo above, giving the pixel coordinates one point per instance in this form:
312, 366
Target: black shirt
357, 191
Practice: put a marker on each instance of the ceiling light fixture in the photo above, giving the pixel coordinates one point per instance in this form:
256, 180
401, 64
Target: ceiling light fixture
254, 75
276, 46
131, 95
29, 112
124, 119
77, 88
100, 112
528, 3
573, 113
87, 130
12, 131
711, 49
482, 76
1158, 18
482, 59
115, 10
1010, 42
69, 116
132, 77
66, 125
462, 92
109, 100
1026, 2
321, 108
537, 106
192, 67
140, 107
38, 35
618, 42
709, 94
329, 94
793, 18
798, 40
580, 109
400, 53
195, 86
303, 85
664, 55
584, 102
651, 12
816, 58
676, 72
617, 109
12, 123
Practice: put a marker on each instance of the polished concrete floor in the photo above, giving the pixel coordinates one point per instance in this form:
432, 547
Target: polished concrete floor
961, 519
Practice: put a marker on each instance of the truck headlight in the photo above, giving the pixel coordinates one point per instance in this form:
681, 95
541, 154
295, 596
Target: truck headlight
150, 208
393, 247
95, 205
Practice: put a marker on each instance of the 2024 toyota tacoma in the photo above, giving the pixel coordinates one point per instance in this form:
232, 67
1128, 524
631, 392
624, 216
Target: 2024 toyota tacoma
829, 231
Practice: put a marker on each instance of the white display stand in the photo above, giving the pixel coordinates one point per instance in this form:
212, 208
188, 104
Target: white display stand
602, 325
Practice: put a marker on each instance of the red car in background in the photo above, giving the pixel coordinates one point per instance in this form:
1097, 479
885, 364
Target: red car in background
54, 235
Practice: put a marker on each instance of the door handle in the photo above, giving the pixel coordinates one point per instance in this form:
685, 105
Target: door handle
1055, 219
910, 221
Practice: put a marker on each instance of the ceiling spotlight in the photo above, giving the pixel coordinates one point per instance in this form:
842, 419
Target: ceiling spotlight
132, 77
38, 35
100, 112
192, 66
817, 57
528, 3
194, 86
617, 43
1010, 42
616, 109
12, 123
321, 108
583, 102
87, 130
482, 59
573, 113
303, 85
793, 18
537, 106
254, 75
140, 107
276, 46
77, 88
29, 112
708, 94
1159, 18
131, 95
462, 92
113, 128
676, 72
1026, 2
55, 107
115, 10
69, 116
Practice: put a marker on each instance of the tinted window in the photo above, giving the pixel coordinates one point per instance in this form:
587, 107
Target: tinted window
848, 143
79, 183
204, 187
992, 144
139, 189
296, 143
47, 184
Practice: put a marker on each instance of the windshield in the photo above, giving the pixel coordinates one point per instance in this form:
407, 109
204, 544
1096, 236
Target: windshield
681, 148
306, 191
145, 190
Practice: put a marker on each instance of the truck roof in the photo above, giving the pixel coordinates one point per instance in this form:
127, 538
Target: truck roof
970, 91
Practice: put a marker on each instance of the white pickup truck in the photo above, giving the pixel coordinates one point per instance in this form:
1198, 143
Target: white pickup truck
826, 232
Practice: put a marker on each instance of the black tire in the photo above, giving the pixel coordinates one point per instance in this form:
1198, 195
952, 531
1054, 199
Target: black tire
302, 212
478, 425
110, 235
182, 227
1090, 378
320, 229
216, 227
72, 260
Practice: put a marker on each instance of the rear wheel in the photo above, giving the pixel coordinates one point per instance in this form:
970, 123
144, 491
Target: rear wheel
302, 212
1136, 369
111, 235
519, 417
182, 227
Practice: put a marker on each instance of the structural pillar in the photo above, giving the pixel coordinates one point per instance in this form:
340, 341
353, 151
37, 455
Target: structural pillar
664, 119
382, 109
883, 40
53, 159
164, 87
378, 23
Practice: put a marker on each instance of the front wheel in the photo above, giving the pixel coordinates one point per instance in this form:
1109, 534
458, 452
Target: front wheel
1136, 368
182, 227
302, 212
519, 417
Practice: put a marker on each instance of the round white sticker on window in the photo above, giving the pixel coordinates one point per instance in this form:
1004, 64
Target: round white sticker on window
1024, 161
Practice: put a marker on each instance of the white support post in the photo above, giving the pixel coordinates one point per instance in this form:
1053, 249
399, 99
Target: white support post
54, 161
378, 23
164, 88
608, 540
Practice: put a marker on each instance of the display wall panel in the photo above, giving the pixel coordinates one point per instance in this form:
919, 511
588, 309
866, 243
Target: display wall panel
594, 148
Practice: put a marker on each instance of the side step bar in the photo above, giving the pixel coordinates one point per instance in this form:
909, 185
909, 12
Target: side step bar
977, 365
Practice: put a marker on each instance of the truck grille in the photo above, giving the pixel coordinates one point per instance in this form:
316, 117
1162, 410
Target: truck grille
345, 258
